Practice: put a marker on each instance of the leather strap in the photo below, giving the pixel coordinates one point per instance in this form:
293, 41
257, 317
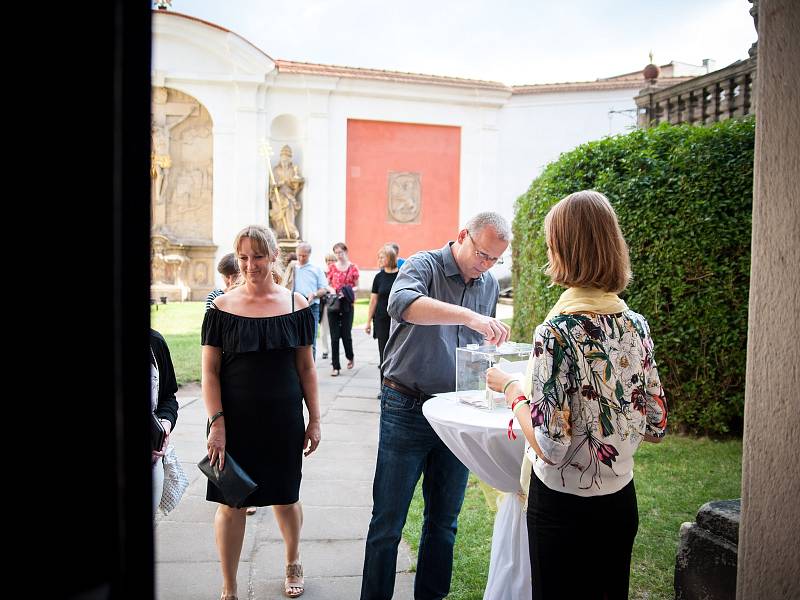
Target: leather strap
214, 418
399, 387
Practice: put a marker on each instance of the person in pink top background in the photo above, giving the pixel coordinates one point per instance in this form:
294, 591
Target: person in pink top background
343, 277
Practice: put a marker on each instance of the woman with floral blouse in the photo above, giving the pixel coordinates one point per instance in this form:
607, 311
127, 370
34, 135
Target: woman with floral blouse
590, 396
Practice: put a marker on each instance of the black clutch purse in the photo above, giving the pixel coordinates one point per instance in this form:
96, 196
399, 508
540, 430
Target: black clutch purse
232, 481
157, 433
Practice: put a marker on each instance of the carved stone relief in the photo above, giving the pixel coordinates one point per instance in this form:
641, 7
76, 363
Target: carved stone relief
181, 166
200, 274
180, 271
405, 197
181, 197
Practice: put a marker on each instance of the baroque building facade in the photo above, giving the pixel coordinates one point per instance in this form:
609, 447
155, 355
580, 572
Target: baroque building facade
383, 156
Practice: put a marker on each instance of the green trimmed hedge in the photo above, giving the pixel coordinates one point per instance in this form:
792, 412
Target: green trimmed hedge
683, 196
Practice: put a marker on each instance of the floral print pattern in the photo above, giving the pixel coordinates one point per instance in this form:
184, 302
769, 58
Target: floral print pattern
338, 278
595, 393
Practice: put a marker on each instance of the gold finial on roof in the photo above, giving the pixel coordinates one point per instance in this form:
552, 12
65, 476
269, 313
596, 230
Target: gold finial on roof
651, 71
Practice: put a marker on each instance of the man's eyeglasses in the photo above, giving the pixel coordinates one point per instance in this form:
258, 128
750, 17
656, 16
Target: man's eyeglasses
482, 255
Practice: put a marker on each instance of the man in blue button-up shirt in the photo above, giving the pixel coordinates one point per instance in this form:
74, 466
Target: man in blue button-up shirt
311, 282
442, 299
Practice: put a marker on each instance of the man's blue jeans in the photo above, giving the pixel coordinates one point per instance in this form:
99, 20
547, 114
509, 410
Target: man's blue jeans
408, 447
315, 312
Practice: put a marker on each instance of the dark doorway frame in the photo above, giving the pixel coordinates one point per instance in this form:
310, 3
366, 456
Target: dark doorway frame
99, 68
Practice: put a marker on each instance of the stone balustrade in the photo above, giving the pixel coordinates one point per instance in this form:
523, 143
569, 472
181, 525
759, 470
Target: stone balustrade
720, 95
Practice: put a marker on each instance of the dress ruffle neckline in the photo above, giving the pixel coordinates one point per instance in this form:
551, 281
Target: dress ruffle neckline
236, 333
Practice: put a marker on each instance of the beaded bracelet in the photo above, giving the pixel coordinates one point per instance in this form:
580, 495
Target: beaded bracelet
508, 383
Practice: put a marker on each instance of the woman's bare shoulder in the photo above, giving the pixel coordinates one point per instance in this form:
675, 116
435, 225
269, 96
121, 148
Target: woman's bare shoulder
300, 301
224, 301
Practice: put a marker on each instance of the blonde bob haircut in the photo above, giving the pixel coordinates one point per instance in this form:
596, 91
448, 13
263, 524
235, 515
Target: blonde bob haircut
391, 256
585, 244
264, 240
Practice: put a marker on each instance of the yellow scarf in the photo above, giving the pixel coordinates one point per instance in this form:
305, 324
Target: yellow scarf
593, 300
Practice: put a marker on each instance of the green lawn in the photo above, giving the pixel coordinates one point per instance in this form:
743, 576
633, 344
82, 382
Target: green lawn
180, 324
673, 479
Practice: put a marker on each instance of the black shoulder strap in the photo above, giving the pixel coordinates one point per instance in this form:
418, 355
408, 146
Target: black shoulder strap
293, 301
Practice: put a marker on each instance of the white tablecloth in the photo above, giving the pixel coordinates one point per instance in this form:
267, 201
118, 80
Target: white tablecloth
480, 440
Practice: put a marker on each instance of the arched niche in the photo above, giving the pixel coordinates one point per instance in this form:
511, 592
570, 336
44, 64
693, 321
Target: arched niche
286, 130
285, 211
181, 195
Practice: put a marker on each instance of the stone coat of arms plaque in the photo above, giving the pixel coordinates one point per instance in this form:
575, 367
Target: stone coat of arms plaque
405, 197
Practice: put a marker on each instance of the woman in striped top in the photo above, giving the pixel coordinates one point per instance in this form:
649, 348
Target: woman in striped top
229, 269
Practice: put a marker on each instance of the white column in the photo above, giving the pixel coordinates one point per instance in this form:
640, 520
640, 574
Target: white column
480, 160
249, 169
489, 171
317, 204
238, 168
224, 211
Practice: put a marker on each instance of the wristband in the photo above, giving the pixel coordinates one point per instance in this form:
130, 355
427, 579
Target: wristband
520, 400
214, 418
510, 381
517, 401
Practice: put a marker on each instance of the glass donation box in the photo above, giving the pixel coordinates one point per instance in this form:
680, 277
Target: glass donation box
472, 362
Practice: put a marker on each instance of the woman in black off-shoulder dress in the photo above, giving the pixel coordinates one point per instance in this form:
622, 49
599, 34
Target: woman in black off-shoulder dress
257, 370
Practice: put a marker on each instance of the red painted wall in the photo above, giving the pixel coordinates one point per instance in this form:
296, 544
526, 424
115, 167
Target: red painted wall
374, 148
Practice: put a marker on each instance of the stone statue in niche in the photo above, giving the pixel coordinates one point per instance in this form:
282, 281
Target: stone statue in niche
284, 186
405, 197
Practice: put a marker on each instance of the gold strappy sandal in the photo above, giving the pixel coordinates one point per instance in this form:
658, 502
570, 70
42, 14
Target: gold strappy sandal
296, 571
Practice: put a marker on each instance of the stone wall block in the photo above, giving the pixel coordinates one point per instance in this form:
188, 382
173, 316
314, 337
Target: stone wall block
705, 565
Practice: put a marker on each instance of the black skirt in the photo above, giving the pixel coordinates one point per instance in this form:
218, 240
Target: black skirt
580, 547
